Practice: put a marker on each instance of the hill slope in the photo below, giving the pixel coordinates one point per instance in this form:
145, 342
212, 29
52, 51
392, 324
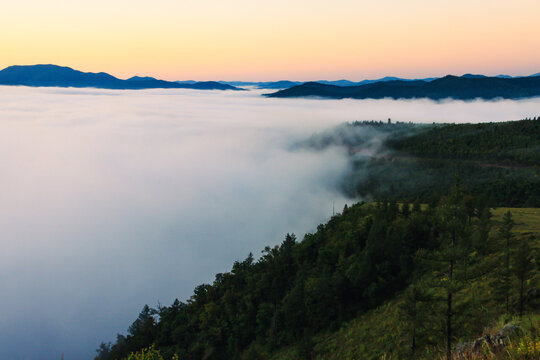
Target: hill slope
348, 290
497, 161
463, 88
379, 279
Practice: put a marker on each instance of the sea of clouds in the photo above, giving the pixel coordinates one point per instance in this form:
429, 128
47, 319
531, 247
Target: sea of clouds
110, 200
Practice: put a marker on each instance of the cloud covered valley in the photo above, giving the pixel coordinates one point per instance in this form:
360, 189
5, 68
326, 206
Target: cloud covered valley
114, 199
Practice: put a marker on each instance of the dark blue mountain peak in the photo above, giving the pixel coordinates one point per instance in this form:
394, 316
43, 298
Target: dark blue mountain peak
141, 78
62, 76
473, 76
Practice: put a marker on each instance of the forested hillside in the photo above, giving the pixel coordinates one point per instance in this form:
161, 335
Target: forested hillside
400, 278
512, 143
409, 259
499, 162
293, 291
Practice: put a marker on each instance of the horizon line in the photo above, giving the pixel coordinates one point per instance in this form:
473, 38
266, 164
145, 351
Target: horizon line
282, 79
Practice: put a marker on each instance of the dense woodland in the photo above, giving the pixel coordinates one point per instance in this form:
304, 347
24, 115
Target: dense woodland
505, 143
426, 276
360, 259
497, 161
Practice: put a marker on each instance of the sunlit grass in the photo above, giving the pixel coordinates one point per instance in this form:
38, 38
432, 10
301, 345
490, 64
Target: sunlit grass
378, 334
527, 220
149, 353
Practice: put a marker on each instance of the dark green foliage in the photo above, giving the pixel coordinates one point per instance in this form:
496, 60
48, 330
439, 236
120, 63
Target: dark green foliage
141, 334
481, 238
522, 269
505, 231
451, 259
372, 254
505, 143
498, 162
143, 330
415, 312
353, 263
432, 260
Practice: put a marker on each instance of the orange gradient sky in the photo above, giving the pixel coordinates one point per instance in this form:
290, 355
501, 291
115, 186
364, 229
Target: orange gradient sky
272, 40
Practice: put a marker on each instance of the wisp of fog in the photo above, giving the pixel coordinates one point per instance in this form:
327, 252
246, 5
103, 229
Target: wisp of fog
116, 199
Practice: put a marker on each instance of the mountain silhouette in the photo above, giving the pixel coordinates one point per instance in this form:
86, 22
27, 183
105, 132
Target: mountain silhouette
467, 87
284, 84
280, 84
60, 76
141, 78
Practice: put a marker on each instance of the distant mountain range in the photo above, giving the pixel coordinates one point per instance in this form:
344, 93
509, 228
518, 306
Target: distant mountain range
281, 84
284, 84
60, 76
466, 87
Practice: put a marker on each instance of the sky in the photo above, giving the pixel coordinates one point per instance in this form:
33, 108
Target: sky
273, 40
116, 199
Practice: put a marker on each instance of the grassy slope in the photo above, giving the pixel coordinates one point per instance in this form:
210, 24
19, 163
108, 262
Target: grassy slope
527, 219
379, 333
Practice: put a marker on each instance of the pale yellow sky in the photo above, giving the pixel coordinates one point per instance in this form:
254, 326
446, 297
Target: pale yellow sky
271, 40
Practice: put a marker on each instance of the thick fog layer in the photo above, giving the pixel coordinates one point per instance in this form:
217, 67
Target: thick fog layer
115, 199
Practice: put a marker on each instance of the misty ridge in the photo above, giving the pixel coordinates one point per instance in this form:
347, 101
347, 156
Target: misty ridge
144, 195
415, 162
365, 137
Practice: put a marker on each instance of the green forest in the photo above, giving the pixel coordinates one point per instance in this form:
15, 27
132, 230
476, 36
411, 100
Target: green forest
416, 275
496, 161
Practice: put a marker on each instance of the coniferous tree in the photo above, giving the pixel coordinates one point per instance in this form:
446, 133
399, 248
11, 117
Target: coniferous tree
451, 258
406, 209
416, 205
505, 231
483, 228
522, 268
415, 313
